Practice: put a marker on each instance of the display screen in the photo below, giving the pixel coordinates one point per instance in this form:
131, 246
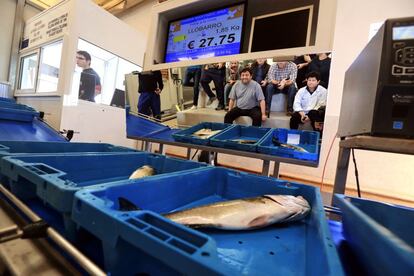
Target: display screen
403, 32
211, 34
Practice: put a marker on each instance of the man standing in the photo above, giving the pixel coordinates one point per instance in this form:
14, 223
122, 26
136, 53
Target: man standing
90, 83
282, 78
249, 100
216, 73
150, 87
309, 103
321, 64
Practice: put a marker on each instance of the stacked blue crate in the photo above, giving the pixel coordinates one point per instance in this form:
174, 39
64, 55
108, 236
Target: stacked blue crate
17, 112
308, 140
380, 235
12, 148
186, 135
55, 178
232, 137
157, 245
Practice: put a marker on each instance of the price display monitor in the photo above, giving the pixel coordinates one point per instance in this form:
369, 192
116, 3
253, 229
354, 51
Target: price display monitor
215, 33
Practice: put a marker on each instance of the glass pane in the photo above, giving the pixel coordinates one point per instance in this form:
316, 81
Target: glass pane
28, 71
100, 75
50, 57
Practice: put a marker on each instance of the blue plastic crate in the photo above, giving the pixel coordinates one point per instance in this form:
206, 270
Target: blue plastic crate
35, 130
55, 178
2, 99
17, 112
11, 148
309, 140
186, 136
381, 235
138, 126
223, 139
157, 245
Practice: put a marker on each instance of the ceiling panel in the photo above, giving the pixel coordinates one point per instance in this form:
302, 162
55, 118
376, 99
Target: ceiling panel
114, 6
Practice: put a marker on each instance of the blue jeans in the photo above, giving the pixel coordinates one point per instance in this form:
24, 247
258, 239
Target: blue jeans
218, 79
194, 74
149, 102
227, 90
289, 90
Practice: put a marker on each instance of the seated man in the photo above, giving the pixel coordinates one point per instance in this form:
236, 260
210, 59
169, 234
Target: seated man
232, 75
282, 78
310, 102
249, 100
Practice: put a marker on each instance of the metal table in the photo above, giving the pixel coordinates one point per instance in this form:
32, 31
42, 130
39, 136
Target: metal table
392, 145
265, 157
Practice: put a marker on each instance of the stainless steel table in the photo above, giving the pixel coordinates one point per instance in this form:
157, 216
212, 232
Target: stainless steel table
392, 145
265, 157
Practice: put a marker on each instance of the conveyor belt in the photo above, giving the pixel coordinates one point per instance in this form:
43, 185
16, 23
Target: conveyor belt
28, 131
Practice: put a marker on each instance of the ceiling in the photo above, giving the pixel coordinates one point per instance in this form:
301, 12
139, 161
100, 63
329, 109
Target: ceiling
115, 7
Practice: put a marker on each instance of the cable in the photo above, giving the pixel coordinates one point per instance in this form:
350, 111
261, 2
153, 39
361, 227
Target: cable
194, 155
326, 160
356, 172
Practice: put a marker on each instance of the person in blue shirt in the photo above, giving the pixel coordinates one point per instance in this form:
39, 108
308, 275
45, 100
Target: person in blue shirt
310, 103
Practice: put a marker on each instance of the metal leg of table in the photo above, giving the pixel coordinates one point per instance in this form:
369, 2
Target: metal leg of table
215, 158
188, 153
265, 168
147, 146
161, 149
276, 169
341, 170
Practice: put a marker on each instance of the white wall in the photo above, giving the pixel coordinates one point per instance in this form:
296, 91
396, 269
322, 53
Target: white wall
383, 173
7, 12
389, 174
140, 17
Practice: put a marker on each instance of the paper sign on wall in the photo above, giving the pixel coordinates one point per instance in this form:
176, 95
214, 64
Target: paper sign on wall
46, 27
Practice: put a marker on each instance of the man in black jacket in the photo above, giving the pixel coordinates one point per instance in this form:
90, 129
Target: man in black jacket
260, 68
90, 83
150, 87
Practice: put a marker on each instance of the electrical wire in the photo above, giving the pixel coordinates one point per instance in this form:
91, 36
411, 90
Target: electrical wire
356, 172
326, 161
194, 155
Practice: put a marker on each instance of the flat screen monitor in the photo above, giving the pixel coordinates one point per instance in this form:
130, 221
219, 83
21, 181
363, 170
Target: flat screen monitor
288, 29
215, 33
118, 99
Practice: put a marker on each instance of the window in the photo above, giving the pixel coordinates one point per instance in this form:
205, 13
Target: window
108, 70
50, 56
41, 75
28, 72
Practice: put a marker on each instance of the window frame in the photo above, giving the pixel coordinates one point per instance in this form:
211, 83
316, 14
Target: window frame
38, 51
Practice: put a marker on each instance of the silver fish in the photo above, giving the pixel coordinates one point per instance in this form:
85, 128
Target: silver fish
205, 133
143, 171
244, 141
244, 214
288, 146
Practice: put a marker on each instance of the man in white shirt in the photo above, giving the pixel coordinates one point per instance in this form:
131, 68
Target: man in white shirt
310, 102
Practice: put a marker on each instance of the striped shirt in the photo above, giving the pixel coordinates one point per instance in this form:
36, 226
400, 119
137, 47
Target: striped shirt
276, 73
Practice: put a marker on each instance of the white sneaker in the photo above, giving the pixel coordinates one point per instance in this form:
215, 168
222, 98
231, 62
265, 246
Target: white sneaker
193, 107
